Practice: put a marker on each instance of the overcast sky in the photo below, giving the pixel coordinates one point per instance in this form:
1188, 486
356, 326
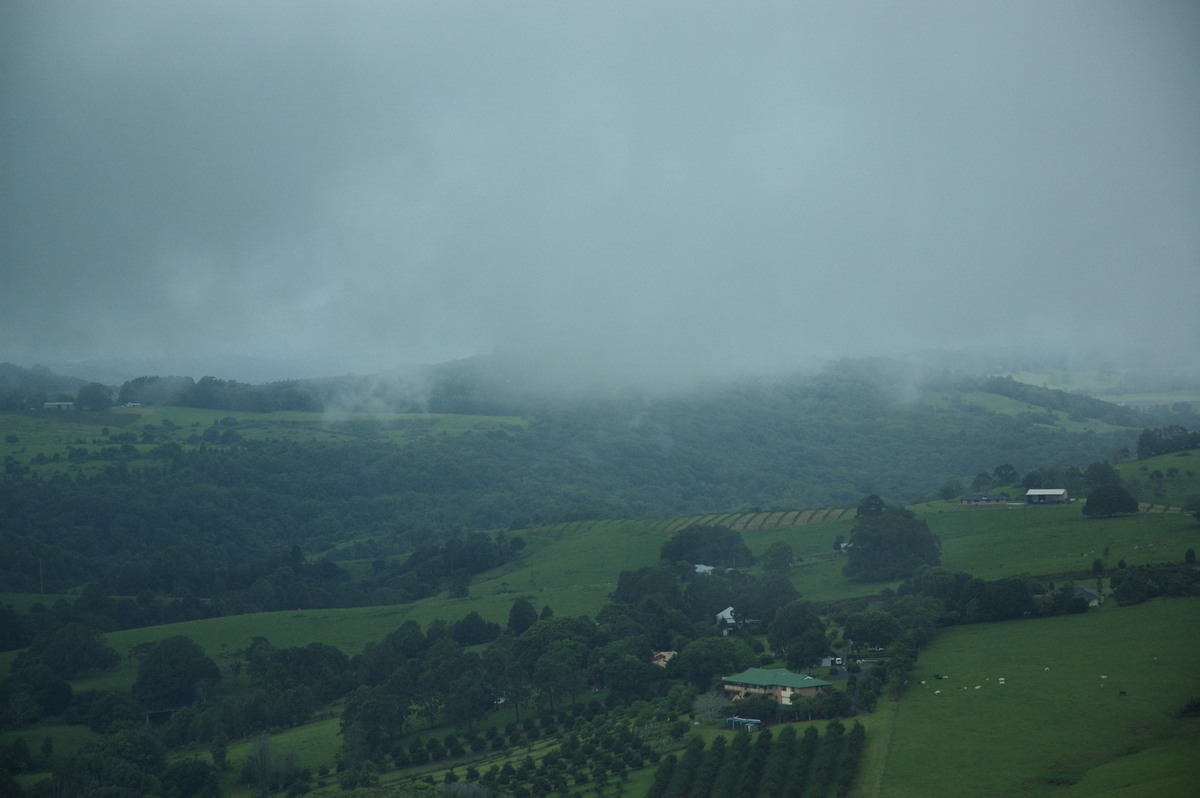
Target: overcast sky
647, 185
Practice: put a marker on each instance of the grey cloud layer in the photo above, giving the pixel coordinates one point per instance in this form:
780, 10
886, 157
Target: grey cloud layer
646, 183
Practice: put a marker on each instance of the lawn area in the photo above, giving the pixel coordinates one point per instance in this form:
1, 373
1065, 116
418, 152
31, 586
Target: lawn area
1060, 717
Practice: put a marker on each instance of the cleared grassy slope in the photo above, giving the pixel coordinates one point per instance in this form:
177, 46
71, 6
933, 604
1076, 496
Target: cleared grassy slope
1060, 717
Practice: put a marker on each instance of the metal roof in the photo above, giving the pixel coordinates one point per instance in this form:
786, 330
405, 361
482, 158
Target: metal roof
774, 677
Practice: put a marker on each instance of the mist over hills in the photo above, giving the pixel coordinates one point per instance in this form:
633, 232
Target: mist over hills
826, 438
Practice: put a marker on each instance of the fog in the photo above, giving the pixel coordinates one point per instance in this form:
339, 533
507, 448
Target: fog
647, 190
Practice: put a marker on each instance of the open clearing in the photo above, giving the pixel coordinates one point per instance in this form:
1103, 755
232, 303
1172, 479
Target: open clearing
1086, 700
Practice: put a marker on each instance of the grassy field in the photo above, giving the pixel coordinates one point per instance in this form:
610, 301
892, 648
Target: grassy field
993, 542
25, 435
1178, 481
1086, 700
1041, 727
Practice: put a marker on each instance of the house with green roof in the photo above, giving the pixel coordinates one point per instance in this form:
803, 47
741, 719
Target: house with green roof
778, 684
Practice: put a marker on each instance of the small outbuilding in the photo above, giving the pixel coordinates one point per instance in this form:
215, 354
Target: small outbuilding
1047, 496
743, 724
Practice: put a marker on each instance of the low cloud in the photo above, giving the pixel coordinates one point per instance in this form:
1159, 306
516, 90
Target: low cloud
632, 190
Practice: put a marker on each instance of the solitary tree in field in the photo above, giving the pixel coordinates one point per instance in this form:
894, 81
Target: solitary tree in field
890, 545
1108, 500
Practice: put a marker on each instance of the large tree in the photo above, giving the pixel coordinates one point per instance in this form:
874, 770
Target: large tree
710, 545
890, 545
94, 396
1108, 500
170, 672
706, 659
798, 633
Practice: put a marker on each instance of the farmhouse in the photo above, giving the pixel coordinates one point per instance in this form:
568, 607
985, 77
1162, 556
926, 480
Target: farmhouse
1046, 496
775, 683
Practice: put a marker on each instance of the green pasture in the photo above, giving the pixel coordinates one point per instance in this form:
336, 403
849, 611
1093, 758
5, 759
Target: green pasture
1007, 406
1177, 482
21, 602
221, 638
50, 433
994, 542
1153, 397
1060, 717
314, 744
66, 739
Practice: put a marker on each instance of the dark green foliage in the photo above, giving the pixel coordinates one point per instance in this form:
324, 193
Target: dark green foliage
778, 764
704, 453
828, 759
870, 507
1099, 473
1164, 440
855, 741
765, 765
710, 545
33, 690
1109, 500
706, 659
778, 558
472, 630
730, 774
962, 598
806, 753
94, 396
798, 634
521, 616
889, 546
1144, 582
109, 709
707, 775
752, 771
872, 627
685, 773
130, 761
74, 650
170, 672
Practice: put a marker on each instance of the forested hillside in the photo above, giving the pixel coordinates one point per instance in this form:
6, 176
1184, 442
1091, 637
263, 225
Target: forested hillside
223, 496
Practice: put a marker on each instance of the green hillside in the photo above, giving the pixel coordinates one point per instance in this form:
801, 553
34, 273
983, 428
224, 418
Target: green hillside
331, 563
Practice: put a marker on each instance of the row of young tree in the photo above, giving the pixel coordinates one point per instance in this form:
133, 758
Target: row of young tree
415, 680
787, 765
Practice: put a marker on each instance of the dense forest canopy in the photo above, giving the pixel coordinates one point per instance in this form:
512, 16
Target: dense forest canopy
232, 507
